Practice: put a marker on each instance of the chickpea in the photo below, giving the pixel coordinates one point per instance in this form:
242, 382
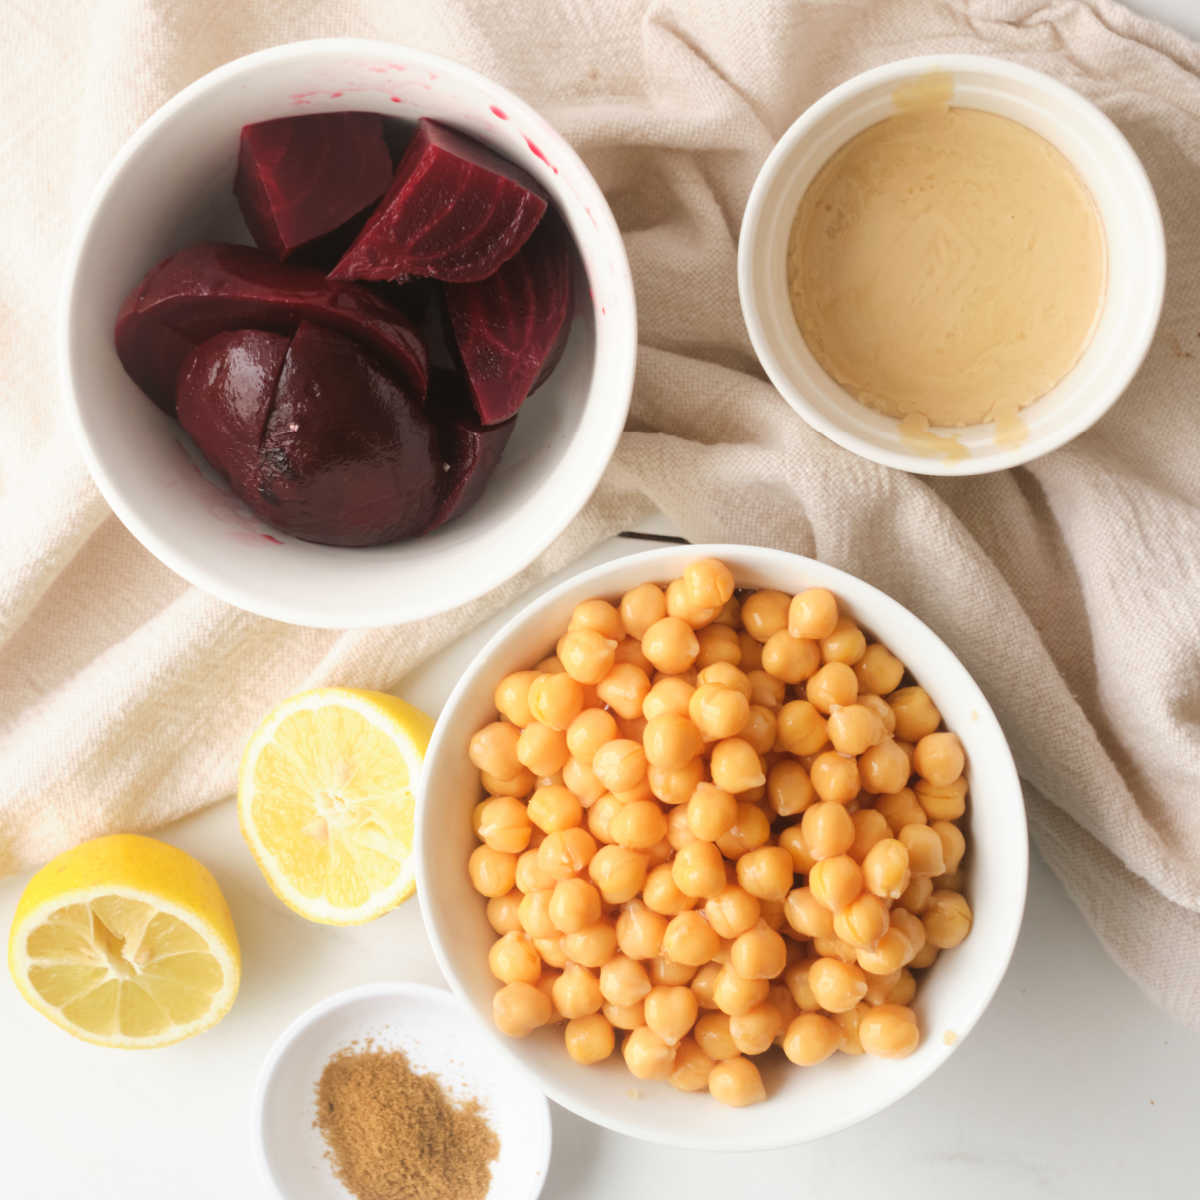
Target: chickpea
916, 714
915, 897
675, 785
698, 869
494, 749
671, 741
586, 655
581, 779
761, 729
639, 826
512, 697
879, 987
513, 957
718, 643
589, 1039
846, 644
947, 919
880, 707
703, 983
834, 947
640, 931
576, 992
591, 946
600, 616
713, 1036
847, 1024
834, 777
904, 989
493, 873
574, 904
600, 816
879, 671
709, 583
924, 850
504, 824
765, 613
689, 940
789, 789
790, 659
555, 700
911, 926
534, 914
954, 845
837, 986
885, 868
625, 1016
692, 1067
624, 689
620, 764
736, 1082
883, 768
835, 684
938, 758
679, 832
828, 829
665, 973
890, 953
889, 1031
766, 690
900, 809
553, 809
811, 1038
680, 605
566, 852
806, 915
629, 650
795, 979
632, 729
641, 607
549, 666
854, 728
589, 731
736, 995
710, 812
726, 675
551, 950
766, 872
759, 953
623, 980
671, 645
835, 882
520, 784
732, 911
942, 803
662, 896
669, 695
800, 728
646, 1055
862, 922
792, 840
717, 712
925, 957
520, 1008
502, 912
751, 830
639, 791
541, 749
671, 1012
870, 827
736, 766
753, 1032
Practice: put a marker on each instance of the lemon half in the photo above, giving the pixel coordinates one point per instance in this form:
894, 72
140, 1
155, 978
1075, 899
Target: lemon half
325, 799
125, 941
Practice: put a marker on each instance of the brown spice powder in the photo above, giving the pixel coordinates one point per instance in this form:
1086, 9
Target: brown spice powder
394, 1134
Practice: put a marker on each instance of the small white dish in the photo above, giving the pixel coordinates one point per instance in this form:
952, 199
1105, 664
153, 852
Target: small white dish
171, 185
434, 1029
802, 1103
1106, 163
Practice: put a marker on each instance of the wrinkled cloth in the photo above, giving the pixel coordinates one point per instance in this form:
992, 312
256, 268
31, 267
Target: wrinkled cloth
1069, 587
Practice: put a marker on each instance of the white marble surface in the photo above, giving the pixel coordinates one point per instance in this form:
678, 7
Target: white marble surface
1071, 1085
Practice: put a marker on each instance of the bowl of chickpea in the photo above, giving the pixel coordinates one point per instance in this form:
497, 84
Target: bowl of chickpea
724, 845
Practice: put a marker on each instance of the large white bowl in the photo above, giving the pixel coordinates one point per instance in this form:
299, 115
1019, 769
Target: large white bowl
1106, 163
171, 185
802, 1104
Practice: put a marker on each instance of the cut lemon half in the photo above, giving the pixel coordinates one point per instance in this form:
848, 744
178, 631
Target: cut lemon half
125, 941
325, 798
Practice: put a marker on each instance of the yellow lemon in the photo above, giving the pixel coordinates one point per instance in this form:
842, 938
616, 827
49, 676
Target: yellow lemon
325, 799
125, 941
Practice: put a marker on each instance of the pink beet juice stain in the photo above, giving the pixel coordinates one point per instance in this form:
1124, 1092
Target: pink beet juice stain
499, 112
537, 151
397, 100
267, 537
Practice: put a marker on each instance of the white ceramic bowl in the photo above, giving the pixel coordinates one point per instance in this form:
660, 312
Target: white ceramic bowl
802, 1104
1106, 163
171, 185
435, 1031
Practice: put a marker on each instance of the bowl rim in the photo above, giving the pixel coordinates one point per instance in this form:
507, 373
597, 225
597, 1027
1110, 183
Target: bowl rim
578, 486
1088, 410
766, 556
380, 990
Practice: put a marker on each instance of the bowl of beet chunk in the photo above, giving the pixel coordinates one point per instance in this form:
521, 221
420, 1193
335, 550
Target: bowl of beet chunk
349, 334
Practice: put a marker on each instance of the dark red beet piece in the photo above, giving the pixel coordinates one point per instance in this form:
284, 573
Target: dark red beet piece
454, 211
301, 178
225, 392
471, 450
212, 287
347, 456
510, 329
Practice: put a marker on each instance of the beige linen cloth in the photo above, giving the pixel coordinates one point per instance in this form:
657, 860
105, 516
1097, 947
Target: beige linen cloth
1071, 587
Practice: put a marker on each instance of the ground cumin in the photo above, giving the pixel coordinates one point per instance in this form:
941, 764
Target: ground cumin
394, 1134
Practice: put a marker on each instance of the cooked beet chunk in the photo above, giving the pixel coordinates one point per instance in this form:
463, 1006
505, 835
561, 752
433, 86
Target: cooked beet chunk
303, 178
510, 328
455, 211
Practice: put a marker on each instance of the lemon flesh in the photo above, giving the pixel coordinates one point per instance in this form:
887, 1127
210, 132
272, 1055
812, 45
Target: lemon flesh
325, 799
125, 941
